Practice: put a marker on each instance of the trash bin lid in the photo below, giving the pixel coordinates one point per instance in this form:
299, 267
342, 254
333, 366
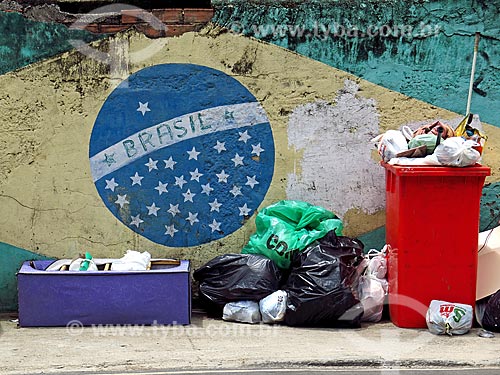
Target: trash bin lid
476, 170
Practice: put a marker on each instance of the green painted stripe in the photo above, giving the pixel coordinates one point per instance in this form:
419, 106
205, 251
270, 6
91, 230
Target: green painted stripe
490, 207
11, 258
23, 42
374, 239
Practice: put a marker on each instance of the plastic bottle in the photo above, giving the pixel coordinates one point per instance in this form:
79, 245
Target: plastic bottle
84, 266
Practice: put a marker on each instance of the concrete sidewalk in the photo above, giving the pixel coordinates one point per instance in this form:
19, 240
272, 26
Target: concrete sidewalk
208, 344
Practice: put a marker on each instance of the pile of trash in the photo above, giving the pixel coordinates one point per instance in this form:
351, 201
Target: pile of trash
435, 144
299, 270
131, 261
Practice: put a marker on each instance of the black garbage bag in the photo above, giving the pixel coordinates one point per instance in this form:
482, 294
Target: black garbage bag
491, 316
319, 285
237, 277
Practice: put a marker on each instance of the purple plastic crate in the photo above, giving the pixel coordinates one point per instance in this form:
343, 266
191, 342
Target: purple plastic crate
55, 298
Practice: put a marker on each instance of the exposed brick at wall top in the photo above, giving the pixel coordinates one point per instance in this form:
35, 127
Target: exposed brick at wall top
176, 20
133, 16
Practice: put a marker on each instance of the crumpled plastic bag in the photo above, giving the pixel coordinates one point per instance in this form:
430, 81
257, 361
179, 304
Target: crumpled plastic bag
242, 311
373, 287
320, 284
471, 128
457, 152
391, 143
488, 312
237, 277
427, 160
449, 318
132, 261
428, 140
287, 227
273, 307
435, 128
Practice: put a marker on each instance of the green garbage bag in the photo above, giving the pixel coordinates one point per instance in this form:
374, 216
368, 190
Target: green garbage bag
288, 227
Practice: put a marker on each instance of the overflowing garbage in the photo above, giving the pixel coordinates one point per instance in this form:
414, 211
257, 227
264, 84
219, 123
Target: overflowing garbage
131, 290
132, 261
301, 274
435, 144
297, 269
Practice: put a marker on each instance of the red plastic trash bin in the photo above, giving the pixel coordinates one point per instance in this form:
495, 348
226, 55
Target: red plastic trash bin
432, 225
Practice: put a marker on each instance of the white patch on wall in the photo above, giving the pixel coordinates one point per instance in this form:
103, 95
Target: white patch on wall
336, 170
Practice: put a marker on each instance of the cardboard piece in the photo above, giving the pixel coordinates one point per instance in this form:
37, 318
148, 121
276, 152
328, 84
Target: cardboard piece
488, 267
161, 295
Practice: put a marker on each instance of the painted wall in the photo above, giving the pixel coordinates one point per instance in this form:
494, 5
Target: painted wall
23, 41
422, 49
109, 157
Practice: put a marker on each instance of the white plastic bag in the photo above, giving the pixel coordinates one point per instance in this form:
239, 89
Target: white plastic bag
273, 307
457, 152
449, 318
390, 144
242, 311
373, 288
132, 261
427, 160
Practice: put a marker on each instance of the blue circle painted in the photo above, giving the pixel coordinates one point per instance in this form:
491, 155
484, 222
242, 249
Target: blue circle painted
182, 154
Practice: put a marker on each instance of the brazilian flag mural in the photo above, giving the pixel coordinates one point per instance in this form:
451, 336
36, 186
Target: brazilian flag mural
173, 145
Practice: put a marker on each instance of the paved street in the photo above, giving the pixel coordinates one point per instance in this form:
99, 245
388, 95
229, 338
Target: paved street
215, 346
311, 371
